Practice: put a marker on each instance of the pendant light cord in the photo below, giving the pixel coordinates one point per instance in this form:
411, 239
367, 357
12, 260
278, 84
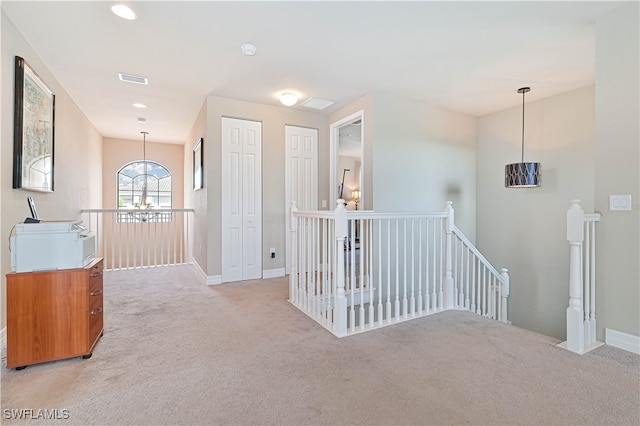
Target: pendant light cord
523, 92
144, 160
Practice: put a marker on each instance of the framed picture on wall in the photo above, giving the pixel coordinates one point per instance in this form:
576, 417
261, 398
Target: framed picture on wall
198, 161
33, 130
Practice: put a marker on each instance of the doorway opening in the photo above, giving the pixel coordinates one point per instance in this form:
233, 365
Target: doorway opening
347, 165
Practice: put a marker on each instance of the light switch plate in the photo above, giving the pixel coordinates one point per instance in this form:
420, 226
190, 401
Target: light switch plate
619, 203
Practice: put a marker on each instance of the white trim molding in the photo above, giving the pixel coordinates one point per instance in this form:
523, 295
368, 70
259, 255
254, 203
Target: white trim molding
199, 269
3, 338
214, 279
620, 340
208, 279
273, 273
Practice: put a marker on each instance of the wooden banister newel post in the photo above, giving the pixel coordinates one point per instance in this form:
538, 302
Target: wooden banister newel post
340, 309
449, 297
575, 315
293, 273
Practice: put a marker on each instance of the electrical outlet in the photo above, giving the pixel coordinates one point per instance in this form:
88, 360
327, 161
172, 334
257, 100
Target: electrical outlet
272, 250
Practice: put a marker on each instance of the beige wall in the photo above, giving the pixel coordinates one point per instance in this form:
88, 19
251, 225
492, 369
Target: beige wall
273, 187
424, 156
77, 161
524, 230
119, 152
617, 169
197, 200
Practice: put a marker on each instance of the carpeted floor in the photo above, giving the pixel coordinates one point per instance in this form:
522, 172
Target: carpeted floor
175, 351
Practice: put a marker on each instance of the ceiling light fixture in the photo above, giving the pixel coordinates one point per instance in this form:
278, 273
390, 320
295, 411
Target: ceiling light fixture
288, 99
248, 49
124, 12
522, 175
139, 105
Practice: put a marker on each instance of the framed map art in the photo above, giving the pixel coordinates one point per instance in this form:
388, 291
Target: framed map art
33, 130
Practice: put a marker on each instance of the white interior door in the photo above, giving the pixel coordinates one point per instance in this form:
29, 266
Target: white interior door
301, 174
241, 199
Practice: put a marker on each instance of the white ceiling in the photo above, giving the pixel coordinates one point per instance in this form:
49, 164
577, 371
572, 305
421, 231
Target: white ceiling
469, 57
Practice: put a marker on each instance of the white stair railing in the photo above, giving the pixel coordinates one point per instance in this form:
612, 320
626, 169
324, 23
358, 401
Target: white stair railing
134, 238
581, 313
479, 287
358, 270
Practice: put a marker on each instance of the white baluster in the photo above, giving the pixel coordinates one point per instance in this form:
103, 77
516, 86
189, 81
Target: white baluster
413, 271
420, 262
361, 243
449, 295
388, 304
575, 236
293, 272
434, 268
592, 282
461, 276
380, 306
404, 269
467, 282
340, 310
353, 272
586, 285
369, 227
396, 306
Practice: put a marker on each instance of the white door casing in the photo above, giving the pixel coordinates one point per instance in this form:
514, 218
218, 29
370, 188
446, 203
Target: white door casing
241, 199
301, 174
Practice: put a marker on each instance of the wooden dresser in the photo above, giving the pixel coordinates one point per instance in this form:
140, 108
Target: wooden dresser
53, 315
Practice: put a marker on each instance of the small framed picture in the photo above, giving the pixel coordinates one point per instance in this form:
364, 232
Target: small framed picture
33, 131
198, 161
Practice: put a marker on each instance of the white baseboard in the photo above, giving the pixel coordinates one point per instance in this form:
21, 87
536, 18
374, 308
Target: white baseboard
621, 340
273, 273
199, 268
208, 279
214, 279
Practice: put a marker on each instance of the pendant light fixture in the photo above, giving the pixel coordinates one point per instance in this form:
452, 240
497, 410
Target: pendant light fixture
522, 175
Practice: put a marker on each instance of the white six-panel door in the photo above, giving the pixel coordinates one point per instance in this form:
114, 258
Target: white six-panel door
301, 173
241, 199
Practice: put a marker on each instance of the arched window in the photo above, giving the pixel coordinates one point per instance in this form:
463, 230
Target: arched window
144, 186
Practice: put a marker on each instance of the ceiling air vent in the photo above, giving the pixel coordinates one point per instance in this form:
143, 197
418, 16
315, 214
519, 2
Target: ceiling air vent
316, 103
130, 78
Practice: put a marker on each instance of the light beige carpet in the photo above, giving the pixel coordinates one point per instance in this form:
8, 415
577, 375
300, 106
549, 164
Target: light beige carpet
175, 351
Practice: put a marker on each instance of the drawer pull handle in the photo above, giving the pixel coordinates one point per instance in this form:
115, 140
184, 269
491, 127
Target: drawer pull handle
96, 311
97, 293
97, 274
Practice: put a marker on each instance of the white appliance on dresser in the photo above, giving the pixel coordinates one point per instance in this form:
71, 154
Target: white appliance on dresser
51, 245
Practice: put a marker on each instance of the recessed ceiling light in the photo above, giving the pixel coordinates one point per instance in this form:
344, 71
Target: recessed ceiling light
316, 103
124, 12
288, 99
139, 105
248, 49
130, 78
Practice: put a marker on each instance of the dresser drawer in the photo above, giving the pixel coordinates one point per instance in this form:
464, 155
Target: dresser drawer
95, 277
96, 324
